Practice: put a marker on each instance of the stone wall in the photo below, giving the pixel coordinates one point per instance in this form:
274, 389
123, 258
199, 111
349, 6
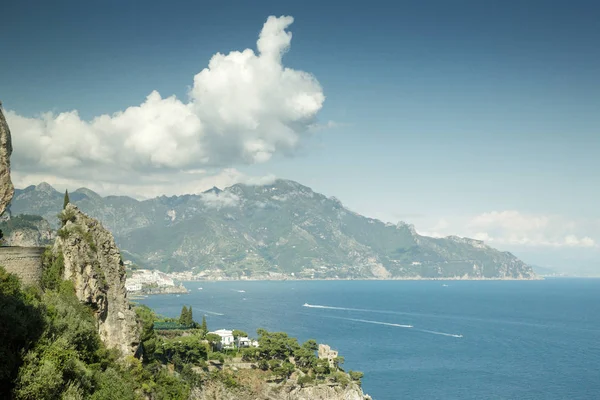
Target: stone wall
25, 262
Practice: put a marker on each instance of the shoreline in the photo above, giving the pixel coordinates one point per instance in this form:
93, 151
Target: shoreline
537, 278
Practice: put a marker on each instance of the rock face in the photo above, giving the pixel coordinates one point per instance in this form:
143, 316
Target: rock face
6, 187
213, 390
324, 392
93, 262
26, 231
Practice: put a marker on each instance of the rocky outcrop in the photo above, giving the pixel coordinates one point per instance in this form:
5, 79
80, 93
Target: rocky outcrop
6, 187
325, 392
216, 390
93, 263
26, 231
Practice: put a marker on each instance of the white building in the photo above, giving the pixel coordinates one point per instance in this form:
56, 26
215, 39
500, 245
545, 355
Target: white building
133, 287
227, 340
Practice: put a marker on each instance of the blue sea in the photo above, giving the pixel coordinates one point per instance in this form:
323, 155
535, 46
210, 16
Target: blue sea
468, 340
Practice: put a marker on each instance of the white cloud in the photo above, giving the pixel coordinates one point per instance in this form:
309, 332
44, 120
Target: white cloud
244, 108
515, 229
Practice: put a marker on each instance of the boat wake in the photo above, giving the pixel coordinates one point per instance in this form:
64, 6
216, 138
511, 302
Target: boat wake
209, 312
342, 308
440, 333
366, 321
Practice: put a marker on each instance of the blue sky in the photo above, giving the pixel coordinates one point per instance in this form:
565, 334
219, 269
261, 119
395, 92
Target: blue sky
478, 118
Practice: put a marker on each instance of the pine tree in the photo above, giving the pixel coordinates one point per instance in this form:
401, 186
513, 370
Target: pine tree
204, 325
183, 316
66, 201
190, 317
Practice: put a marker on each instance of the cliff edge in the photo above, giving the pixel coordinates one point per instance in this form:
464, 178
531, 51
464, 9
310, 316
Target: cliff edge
93, 263
263, 391
6, 187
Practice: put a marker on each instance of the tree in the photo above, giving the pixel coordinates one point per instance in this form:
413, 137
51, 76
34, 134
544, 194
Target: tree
66, 200
338, 361
20, 327
322, 367
355, 375
238, 334
213, 339
190, 319
284, 370
186, 316
276, 345
305, 355
148, 336
204, 327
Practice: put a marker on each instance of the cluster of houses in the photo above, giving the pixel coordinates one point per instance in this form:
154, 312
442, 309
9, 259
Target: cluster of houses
228, 341
142, 277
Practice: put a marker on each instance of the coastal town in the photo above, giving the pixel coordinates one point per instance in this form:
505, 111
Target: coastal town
145, 282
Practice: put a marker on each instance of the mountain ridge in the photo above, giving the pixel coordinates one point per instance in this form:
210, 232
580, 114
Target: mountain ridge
283, 227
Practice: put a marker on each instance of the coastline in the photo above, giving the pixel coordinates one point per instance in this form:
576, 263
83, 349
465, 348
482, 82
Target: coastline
265, 279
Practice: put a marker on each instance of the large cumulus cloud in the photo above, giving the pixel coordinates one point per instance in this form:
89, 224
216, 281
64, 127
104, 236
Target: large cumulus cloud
243, 108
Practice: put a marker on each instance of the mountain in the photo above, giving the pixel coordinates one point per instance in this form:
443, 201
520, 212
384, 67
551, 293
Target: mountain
282, 227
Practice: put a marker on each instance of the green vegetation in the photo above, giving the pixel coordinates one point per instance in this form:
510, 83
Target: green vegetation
204, 326
186, 318
51, 350
355, 375
52, 270
213, 339
238, 334
22, 324
66, 215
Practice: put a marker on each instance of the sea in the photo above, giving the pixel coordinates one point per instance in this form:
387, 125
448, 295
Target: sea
427, 339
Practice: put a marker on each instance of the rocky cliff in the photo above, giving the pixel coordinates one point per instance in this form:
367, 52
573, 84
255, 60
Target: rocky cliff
6, 187
26, 231
263, 391
93, 262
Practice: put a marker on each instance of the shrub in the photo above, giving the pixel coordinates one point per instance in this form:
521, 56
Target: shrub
67, 215
341, 378
305, 380
356, 375
52, 269
21, 325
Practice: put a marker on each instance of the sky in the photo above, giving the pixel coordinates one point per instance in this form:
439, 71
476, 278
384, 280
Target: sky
474, 118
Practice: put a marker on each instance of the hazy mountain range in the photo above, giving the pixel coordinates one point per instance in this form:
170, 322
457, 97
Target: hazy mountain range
281, 227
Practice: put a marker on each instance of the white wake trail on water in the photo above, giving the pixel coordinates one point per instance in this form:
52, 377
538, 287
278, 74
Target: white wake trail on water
344, 308
454, 335
209, 312
366, 321
440, 333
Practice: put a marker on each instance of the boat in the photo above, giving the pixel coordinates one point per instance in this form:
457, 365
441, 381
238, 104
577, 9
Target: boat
444, 285
306, 305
